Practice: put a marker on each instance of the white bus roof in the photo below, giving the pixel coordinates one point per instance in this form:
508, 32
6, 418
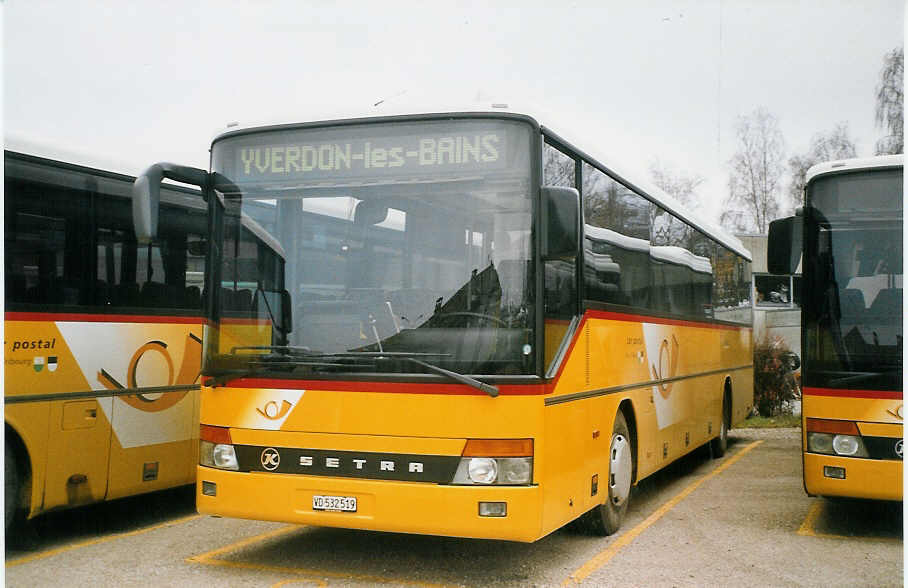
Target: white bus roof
681, 256
572, 137
615, 238
855, 164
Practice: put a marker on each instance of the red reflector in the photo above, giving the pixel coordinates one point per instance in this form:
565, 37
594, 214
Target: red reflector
831, 426
215, 434
498, 448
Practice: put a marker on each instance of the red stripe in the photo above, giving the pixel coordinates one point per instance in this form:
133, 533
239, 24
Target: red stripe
100, 318
877, 394
386, 387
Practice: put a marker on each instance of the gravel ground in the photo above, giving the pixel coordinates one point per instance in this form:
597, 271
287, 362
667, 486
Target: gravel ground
767, 433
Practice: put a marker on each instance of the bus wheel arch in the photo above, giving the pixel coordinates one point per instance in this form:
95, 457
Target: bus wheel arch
17, 478
605, 519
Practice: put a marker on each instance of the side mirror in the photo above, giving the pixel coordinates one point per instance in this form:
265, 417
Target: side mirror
560, 222
146, 195
286, 312
370, 212
793, 361
784, 247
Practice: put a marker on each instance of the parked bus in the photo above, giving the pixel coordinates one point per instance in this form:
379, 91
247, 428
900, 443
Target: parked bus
850, 233
103, 337
475, 348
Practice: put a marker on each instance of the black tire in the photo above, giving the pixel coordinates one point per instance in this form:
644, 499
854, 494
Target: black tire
605, 519
719, 445
12, 487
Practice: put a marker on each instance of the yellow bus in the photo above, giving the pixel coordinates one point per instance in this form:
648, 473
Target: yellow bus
103, 337
486, 332
850, 232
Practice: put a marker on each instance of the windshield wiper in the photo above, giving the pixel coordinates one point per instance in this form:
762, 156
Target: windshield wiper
414, 357
299, 356
463, 379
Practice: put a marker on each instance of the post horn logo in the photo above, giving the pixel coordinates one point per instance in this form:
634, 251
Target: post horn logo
667, 366
156, 402
272, 411
897, 413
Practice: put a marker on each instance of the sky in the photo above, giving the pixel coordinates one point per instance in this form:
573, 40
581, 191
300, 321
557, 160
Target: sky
127, 84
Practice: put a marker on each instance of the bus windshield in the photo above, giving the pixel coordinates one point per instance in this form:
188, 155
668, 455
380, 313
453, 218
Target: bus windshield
402, 240
853, 269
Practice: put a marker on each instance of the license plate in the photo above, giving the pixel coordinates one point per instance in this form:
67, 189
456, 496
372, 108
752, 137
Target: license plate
338, 503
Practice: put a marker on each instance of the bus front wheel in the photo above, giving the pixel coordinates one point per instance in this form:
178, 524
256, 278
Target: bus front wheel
606, 518
12, 486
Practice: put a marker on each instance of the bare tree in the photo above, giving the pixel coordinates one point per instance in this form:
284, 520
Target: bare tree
890, 103
835, 144
754, 183
679, 185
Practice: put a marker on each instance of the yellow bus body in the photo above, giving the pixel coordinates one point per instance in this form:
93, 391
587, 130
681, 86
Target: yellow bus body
85, 449
668, 376
878, 479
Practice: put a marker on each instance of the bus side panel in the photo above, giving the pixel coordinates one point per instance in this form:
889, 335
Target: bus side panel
671, 418
39, 360
155, 436
737, 350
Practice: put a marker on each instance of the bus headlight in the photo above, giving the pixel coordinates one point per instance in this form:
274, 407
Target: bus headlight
218, 455
829, 444
506, 471
819, 443
834, 437
848, 445
482, 470
503, 462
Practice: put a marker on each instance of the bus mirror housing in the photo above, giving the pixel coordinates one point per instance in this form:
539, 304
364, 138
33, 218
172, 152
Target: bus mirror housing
783, 251
370, 212
146, 195
561, 222
286, 312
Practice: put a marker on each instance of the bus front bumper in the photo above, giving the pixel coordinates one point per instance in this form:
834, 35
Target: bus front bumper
401, 507
864, 478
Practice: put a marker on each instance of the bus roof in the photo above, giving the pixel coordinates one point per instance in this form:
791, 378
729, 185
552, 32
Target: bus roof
858, 163
546, 121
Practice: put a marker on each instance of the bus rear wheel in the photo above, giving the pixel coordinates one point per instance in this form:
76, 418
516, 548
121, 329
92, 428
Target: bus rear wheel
718, 445
605, 519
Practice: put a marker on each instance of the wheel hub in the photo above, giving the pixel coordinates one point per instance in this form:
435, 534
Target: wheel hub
620, 470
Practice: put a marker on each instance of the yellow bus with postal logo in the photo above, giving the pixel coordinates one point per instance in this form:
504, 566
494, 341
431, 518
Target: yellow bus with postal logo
103, 336
486, 332
850, 234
